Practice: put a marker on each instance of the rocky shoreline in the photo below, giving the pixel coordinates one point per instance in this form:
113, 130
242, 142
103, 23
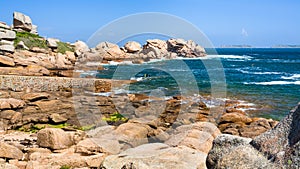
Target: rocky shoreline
51, 118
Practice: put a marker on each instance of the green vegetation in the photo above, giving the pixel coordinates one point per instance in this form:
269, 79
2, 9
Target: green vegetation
65, 167
63, 47
37, 127
30, 40
290, 162
86, 128
115, 118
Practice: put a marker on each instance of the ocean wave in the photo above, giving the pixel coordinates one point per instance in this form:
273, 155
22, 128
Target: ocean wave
137, 78
261, 73
274, 83
243, 57
294, 77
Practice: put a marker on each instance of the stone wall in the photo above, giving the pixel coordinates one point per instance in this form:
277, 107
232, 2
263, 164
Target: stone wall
44, 84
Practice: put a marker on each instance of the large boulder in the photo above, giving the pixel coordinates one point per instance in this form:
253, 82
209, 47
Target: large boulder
156, 156
185, 48
112, 50
10, 152
282, 143
198, 136
235, 152
22, 21
52, 43
54, 139
133, 134
132, 47
98, 145
81, 46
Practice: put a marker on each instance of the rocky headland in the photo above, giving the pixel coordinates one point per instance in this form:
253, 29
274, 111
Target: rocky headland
52, 118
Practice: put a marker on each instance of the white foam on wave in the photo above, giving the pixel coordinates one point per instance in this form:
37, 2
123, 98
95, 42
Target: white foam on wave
243, 57
295, 76
275, 83
261, 73
137, 78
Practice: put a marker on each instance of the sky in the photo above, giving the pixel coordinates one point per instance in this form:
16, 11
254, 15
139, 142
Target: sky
259, 23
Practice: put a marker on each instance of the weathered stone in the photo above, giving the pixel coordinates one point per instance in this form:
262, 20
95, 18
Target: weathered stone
56, 118
132, 47
234, 117
4, 25
133, 133
222, 145
8, 166
81, 46
7, 48
22, 21
7, 34
34, 30
11, 103
52, 43
156, 156
37, 70
6, 42
54, 139
10, 152
282, 143
39, 50
198, 136
112, 49
71, 56
35, 96
97, 145
245, 157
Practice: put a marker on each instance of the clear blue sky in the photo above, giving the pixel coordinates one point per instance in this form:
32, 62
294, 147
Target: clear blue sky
255, 22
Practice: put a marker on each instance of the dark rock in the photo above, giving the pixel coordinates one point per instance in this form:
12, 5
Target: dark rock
281, 144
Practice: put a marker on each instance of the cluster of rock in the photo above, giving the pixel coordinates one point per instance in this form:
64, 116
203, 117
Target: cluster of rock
125, 146
276, 148
7, 37
33, 61
136, 53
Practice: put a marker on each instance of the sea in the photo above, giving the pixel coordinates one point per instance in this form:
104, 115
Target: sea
266, 78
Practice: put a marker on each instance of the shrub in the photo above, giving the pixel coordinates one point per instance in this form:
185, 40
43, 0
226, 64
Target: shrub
30, 40
115, 118
63, 47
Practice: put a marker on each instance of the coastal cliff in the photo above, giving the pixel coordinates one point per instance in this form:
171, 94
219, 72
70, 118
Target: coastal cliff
51, 118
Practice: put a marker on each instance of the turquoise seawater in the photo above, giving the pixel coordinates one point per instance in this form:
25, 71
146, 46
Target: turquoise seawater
266, 77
